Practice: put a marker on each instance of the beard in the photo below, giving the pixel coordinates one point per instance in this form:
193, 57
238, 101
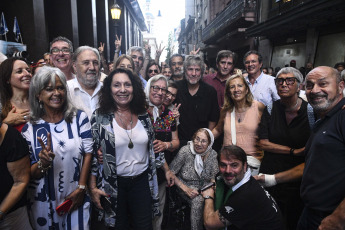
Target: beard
324, 105
90, 81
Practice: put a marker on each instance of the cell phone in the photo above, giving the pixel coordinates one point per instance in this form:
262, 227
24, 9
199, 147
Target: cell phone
63, 208
105, 203
209, 185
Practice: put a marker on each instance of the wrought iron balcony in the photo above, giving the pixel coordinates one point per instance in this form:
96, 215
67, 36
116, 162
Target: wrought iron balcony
237, 9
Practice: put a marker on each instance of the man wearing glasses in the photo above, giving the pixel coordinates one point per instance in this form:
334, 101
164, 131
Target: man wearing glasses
61, 50
226, 60
199, 107
261, 85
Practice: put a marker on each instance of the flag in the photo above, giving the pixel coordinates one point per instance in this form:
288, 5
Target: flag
3, 26
16, 29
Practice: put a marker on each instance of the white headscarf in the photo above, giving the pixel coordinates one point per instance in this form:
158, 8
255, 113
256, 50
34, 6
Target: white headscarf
155, 110
198, 163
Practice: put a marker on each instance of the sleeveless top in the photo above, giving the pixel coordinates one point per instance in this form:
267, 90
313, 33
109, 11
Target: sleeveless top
246, 131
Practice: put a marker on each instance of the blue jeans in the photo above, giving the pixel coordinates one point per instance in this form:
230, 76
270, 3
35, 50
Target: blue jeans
311, 219
134, 203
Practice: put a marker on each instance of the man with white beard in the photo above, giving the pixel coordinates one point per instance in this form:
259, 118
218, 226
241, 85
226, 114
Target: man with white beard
84, 89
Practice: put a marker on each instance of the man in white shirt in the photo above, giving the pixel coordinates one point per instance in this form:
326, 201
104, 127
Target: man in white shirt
85, 88
261, 85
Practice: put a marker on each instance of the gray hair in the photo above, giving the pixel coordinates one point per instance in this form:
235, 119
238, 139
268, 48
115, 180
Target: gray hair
194, 60
342, 75
41, 80
135, 49
153, 80
296, 73
64, 39
81, 49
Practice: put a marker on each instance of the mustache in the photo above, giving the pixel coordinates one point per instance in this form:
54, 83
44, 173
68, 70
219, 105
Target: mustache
315, 95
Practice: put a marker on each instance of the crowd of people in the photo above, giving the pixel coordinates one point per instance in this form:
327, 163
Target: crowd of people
86, 144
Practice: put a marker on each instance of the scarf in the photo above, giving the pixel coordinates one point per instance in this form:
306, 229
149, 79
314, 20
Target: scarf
155, 110
198, 163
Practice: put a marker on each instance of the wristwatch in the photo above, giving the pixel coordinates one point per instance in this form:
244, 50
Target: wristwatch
208, 197
81, 186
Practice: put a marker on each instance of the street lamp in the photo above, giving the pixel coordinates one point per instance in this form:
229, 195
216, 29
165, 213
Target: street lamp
115, 14
115, 11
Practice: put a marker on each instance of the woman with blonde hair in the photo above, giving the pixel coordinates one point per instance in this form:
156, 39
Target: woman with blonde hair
240, 118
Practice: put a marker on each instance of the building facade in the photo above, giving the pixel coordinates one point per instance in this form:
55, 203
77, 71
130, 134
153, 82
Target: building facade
84, 22
301, 30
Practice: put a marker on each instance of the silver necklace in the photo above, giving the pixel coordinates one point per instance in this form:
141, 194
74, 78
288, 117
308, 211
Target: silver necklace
130, 143
292, 109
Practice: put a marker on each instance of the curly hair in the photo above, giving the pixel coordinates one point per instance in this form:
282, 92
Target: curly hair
229, 104
107, 104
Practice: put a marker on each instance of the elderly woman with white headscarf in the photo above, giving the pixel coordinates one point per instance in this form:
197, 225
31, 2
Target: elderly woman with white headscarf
195, 166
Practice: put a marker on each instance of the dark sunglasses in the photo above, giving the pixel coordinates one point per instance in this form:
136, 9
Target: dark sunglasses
154, 70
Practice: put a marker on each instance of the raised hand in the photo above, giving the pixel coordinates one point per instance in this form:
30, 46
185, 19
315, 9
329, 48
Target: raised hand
101, 47
175, 111
194, 52
46, 155
118, 43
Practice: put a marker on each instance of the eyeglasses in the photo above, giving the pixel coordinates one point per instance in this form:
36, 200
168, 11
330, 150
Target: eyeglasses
288, 80
170, 94
153, 70
157, 88
63, 50
203, 142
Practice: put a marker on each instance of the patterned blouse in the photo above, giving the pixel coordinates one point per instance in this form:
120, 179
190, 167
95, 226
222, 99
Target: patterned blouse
104, 137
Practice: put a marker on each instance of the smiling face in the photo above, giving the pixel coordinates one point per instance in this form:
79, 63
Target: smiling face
122, 90
322, 90
238, 90
53, 97
225, 66
170, 96
87, 69
287, 90
158, 97
253, 66
200, 142
231, 169
193, 74
21, 76
167, 72
61, 60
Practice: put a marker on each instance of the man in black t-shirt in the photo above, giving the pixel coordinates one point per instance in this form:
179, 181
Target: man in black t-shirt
240, 202
199, 106
323, 181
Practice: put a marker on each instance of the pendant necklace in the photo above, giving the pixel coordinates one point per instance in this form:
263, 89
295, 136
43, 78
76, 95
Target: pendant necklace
130, 143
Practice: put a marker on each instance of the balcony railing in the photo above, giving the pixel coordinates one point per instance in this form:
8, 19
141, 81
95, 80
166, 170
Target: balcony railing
235, 10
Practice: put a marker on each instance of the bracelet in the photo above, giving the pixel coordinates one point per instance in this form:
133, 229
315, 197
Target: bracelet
41, 168
171, 145
291, 151
208, 197
166, 145
83, 187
